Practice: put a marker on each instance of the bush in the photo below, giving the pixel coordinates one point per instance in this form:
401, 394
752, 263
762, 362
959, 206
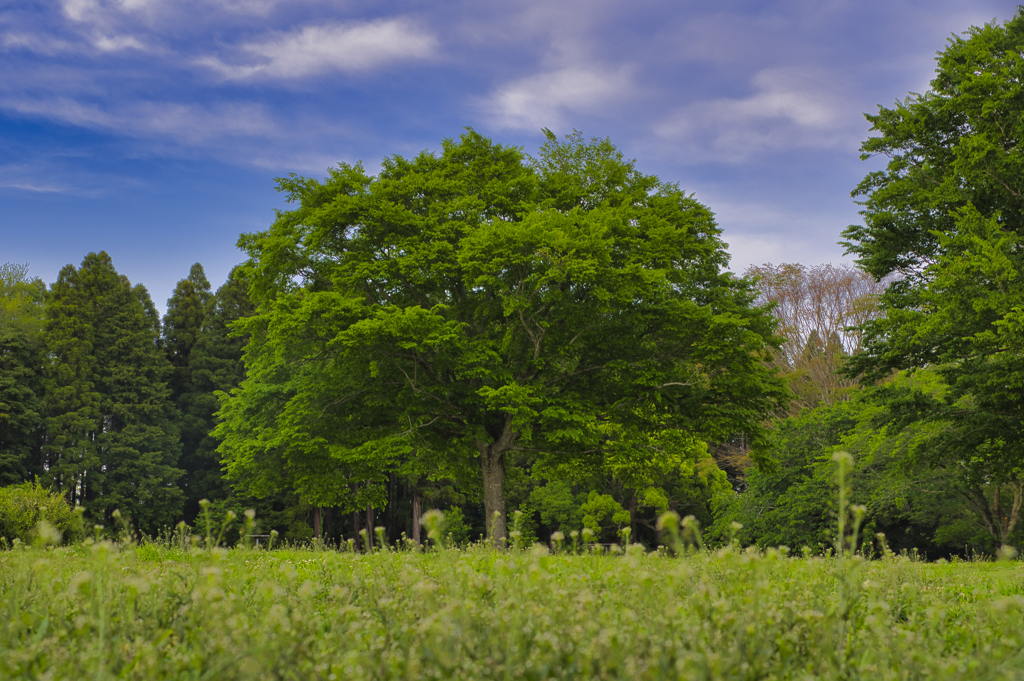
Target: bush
24, 506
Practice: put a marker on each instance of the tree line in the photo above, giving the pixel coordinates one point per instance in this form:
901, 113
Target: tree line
550, 343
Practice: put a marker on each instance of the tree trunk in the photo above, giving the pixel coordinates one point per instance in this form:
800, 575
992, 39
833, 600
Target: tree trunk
355, 518
328, 521
416, 515
493, 465
389, 523
1009, 522
998, 521
632, 517
316, 524
369, 529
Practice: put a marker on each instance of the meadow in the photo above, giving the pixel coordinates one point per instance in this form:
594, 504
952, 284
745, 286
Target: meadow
106, 610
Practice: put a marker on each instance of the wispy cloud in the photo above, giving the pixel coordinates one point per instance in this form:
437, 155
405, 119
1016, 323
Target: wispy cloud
111, 11
35, 188
117, 43
48, 174
547, 99
38, 43
313, 50
790, 108
188, 123
49, 46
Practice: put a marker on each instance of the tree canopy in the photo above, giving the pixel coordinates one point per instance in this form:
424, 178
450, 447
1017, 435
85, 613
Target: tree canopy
477, 302
946, 218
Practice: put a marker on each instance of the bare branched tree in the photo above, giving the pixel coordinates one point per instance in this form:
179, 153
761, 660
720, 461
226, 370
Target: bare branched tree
820, 310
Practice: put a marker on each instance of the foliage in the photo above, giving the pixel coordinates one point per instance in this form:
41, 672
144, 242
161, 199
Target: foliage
22, 300
601, 511
21, 419
111, 444
792, 504
456, 532
558, 507
908, 493
285, 515
24, 506
469, 305
945, 217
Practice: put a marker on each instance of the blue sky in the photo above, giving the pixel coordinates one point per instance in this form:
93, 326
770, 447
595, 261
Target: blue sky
154, 129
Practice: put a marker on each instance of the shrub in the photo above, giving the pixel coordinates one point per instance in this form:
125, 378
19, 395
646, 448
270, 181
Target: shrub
24, 506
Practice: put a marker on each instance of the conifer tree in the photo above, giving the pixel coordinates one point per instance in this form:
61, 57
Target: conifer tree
111, 443
188, 309
20, 407
214, 363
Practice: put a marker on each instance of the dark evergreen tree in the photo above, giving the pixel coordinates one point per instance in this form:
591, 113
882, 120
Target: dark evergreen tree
214, 362
111, 441
20, 407
188, 310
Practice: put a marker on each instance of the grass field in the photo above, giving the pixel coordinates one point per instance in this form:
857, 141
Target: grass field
104, 611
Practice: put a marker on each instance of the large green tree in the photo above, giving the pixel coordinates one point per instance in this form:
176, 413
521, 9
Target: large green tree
946, 217
110, 440
21, 369
474, 303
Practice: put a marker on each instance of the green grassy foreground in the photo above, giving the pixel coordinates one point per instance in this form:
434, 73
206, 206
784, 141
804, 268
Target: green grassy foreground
104, 611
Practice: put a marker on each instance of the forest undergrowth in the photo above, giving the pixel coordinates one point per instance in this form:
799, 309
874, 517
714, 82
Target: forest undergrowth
107, 610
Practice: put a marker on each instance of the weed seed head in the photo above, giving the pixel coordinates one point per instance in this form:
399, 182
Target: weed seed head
668, 521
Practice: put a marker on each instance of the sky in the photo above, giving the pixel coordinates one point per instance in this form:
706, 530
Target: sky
155, 129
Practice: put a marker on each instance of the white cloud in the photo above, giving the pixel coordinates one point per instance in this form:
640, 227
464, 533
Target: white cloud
49, 175
34, 188
248, 7
81, 10
42, 44
311, 50
765, 231
544, 99
188, 123
791, 108
38, 43
99, 32
103, 22
118, 43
